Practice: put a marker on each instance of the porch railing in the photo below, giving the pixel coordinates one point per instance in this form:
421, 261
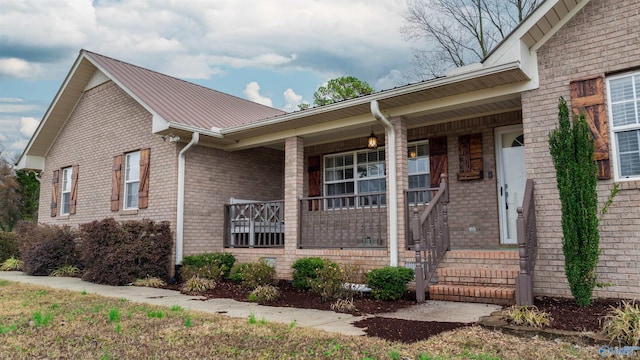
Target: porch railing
430, 233
344, 221
527, 245
415, 198
254, 224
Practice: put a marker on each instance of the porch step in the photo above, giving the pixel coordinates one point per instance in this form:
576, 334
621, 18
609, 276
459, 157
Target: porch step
476, 294
476, 276
483, 276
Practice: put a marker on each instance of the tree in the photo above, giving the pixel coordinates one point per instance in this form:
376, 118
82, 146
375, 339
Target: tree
572, 150
455, 33
9, 197
339, 89
29, 192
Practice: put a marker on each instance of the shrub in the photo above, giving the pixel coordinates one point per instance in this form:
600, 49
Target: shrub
150, 281
343, 306
45, 248
197, 285
264, 294
236, 272
529, 316
252, 275
66, 270
8, 246
389, 283
304, 269
328, 281
118, 253
210, 271
11, 264
623, 324
224, 261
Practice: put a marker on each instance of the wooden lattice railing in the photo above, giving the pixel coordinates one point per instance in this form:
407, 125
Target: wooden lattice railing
430, 234
250, 224
527, 245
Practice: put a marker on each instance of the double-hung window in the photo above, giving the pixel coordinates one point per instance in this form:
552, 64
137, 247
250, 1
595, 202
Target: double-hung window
418, 168
360, 173
66, 191
624, 108
131, 180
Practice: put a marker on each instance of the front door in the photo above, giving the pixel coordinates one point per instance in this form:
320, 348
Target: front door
511, 179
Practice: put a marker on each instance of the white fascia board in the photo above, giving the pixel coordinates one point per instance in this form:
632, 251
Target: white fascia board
273, 138
30, 162
193, 129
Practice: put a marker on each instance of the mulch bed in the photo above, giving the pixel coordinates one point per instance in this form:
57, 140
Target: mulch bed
565, 314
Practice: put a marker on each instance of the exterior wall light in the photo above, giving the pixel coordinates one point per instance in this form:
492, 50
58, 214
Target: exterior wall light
372, 141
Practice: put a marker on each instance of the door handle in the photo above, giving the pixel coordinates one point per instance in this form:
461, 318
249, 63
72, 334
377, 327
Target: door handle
506, 197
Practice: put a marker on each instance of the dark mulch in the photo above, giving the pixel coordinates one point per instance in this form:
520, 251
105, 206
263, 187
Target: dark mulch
565, 313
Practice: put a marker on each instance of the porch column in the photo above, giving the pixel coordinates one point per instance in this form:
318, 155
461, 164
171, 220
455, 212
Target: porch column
293, 191
402, 180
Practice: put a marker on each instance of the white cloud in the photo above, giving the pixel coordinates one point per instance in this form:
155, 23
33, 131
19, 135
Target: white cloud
252, 92
15, 105
28, 125
393, 79
291, 100
18, 68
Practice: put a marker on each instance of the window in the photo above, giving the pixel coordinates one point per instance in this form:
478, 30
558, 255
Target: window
131, 180
624, 109
357, 173
418, 159
66, 191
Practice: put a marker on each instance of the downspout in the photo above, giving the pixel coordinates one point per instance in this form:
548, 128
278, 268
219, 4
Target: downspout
393, 182
180, 215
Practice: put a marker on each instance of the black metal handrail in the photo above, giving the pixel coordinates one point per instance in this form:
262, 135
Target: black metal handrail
430, 233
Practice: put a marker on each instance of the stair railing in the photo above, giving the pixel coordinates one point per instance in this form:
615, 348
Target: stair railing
430, 232
527, 245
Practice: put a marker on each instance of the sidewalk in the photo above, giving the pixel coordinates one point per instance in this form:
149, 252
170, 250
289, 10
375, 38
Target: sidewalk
318, 319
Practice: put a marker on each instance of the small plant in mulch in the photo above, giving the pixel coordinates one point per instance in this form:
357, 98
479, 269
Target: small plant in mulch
344, 306
389, 283
528, 316
11, 264
623, 324
150, 281
66, 271
264, 294
197, 285
252, 275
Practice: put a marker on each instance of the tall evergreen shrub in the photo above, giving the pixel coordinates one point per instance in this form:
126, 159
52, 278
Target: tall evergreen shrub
572, 151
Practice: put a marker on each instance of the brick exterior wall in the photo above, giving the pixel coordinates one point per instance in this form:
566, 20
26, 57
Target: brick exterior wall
601, 39
105, 123
213, 177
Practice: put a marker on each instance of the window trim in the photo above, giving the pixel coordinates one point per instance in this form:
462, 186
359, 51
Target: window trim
66, 179
127, 173
613, 130
355, 180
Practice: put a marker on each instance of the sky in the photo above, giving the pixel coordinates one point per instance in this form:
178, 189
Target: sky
274, 52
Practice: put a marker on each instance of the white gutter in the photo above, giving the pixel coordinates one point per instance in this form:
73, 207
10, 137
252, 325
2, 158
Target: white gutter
180, 216
392, 206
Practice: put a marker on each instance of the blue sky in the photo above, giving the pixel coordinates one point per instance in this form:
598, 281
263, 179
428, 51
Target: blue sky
276, 52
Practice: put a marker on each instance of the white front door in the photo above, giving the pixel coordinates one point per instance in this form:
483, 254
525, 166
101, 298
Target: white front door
511, 179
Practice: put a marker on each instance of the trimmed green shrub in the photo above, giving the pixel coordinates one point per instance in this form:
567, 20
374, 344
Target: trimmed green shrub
572, 150
9, 246
252, 275
304, 270
389, 283
328, 281
44, 248
224, 261
118, 253
210, 271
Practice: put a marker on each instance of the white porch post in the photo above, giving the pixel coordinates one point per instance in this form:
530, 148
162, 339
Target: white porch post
293, 191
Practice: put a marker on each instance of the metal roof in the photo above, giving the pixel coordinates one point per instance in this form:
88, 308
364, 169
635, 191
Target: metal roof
179, 101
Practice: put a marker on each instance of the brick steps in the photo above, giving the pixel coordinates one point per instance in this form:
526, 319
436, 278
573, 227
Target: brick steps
476, 294
483, 276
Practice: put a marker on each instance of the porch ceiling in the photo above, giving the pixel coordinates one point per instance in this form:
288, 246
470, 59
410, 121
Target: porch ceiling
435, 101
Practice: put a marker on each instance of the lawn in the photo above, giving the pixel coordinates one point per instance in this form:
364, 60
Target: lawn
39, 322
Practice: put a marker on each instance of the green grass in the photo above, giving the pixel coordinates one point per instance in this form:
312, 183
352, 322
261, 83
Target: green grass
98, 327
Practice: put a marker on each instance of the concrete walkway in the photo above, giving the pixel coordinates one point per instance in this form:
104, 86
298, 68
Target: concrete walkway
318, 319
